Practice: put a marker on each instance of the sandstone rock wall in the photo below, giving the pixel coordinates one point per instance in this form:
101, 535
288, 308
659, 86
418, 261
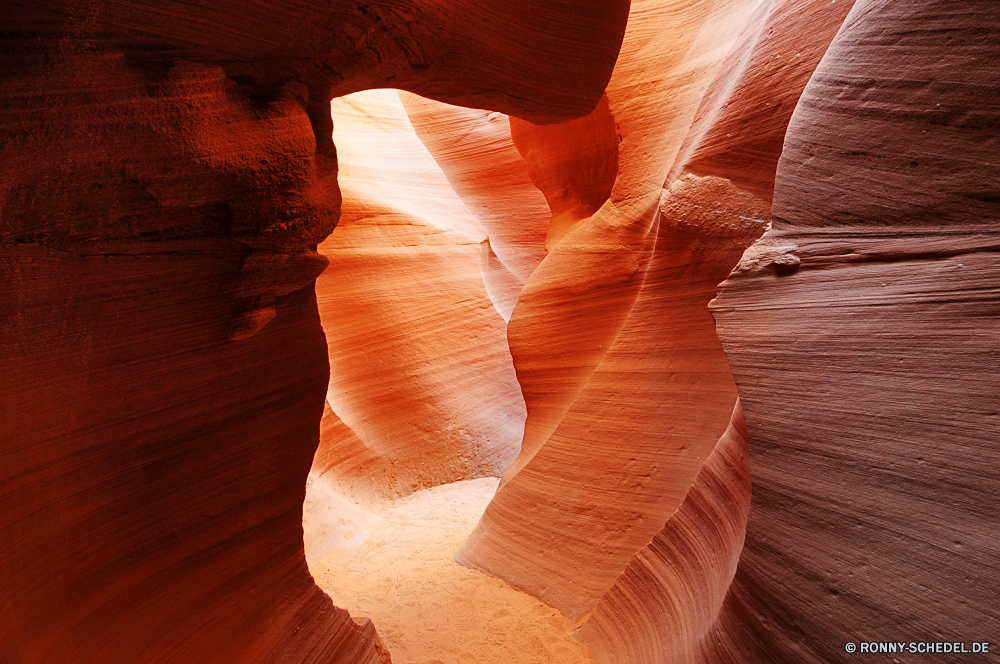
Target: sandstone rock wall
670, 594
626, 387
167, 173
862, 331
475, 151
420, 371
622, 457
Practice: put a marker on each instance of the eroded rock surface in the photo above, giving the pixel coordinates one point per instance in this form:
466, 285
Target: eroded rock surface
420, 371
167, 173
862, 332
667, 600
626, 387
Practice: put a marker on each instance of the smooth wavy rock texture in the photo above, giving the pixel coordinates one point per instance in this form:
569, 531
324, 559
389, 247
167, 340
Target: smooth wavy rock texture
420, 371
521, 283
153, 471
616, 468
167, 173
739, 129
625, 385
475, 151
862, 332
667, 600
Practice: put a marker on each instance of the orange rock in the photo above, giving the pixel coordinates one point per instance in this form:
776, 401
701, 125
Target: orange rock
420, 372
167, 173
623, 379
476, 153
668, 598
574, 164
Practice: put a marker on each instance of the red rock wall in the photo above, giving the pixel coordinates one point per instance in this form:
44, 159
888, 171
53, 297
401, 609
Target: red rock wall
862, 332
153, 469
167, 173
626, 387
542, 61
162, 519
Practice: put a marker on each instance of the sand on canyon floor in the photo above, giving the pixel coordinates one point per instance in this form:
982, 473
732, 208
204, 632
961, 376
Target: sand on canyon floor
427, 608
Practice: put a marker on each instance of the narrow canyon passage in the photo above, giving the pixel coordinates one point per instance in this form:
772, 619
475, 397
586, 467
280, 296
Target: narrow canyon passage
457, 332
427, 608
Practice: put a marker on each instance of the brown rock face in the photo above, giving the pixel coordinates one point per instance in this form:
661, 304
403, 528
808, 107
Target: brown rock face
862, 332
542, 61
740, 125
167, 174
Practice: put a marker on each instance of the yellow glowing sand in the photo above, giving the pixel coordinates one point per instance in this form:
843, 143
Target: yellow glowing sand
427, 608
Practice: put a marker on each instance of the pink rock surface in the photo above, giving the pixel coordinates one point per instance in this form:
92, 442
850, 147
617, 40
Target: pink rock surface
740, 125
861, 331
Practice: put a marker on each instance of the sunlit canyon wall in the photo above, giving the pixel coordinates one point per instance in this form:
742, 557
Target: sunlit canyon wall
524, 281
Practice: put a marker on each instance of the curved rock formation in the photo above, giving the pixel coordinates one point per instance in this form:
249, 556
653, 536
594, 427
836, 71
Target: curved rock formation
420, 371
574, 164
475, 150
628, 449
168, 171
740, 126
542, 61
667, 600
626, 387
862, 334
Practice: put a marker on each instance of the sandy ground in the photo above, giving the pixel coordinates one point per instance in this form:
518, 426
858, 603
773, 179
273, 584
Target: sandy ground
427, 608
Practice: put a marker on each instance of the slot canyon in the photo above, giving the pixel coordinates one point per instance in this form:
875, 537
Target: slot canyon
458, 332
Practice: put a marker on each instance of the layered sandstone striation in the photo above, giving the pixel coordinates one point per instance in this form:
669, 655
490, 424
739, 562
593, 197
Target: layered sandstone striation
168, 172
600, 485
665, 603
740, 125
626, 387
861, 331
526, 295
476, 152
421, 379
153, 469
